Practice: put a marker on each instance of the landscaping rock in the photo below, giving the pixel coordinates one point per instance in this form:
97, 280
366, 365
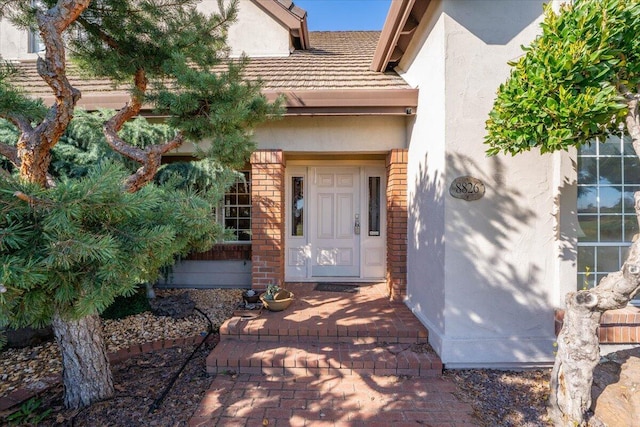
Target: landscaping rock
27, 367
616, 390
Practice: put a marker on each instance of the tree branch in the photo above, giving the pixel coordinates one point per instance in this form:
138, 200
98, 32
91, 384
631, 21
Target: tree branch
633, 123
22, 123
151, 163
89, 26
32, 201
52, 69
130, 110
11, 153
150, 157
34, 148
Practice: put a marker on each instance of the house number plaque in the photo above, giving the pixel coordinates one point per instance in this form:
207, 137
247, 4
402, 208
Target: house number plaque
467, 188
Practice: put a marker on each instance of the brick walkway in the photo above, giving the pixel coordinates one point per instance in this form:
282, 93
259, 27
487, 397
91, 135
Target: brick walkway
330, 359
331, 400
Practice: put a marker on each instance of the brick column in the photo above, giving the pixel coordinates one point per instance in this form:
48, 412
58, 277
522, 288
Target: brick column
267, 218
397, 224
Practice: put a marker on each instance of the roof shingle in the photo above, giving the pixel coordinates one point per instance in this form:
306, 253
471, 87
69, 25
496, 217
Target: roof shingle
336, 61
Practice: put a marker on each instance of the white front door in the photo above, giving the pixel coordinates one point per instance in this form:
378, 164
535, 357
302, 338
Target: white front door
335, 228
335, 216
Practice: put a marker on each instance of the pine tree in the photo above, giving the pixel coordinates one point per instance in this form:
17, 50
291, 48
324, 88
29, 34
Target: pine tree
74, 239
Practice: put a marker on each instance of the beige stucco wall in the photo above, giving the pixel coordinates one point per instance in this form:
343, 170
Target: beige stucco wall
339, 134
254, 33
335, 135
272, 39
425, 169
14, 43
484, 276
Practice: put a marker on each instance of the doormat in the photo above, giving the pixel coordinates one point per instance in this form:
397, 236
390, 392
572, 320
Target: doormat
336, 287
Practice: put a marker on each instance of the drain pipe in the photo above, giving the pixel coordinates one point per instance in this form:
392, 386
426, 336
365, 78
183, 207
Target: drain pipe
156, 403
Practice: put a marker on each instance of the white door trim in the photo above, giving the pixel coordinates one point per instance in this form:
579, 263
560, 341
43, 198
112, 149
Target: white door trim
372, 244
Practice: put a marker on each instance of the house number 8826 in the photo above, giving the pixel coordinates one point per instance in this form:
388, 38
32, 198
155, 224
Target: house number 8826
467, 188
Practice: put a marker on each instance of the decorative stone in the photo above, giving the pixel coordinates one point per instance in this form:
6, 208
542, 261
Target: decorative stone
616, 390
176, 306
467, 188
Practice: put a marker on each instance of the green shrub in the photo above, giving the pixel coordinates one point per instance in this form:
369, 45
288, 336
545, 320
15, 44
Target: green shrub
127, 306
30, 413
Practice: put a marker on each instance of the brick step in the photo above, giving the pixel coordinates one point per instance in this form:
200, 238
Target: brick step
305, 358
358, 333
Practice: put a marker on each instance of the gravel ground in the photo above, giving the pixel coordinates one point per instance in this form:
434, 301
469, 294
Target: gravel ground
139, 383
505, 398
26, 367
499, 398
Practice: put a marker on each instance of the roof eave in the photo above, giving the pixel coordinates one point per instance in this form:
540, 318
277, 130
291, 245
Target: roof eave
301, 102
293, 18
348, 102
399, 28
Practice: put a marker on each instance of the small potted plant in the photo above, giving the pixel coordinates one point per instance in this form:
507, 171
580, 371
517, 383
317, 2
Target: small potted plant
250, 296
276, 299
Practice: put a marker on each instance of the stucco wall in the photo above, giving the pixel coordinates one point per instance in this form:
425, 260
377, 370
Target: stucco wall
340, 134
272, 39
492, 303
328, 135
14, 43
426, 180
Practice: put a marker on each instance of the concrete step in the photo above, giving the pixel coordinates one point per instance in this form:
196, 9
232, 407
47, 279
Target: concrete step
323, 332
315, 358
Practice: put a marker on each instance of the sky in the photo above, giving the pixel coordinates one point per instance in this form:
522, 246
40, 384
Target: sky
341, 15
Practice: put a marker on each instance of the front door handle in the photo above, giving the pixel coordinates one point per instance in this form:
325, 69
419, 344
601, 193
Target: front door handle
356, 226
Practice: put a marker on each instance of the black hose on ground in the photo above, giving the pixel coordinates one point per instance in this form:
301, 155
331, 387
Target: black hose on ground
156, 403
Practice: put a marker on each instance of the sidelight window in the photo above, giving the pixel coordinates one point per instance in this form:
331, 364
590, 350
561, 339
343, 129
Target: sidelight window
297, 206
374, 205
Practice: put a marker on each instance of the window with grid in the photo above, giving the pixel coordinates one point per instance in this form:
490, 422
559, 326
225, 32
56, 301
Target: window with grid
236, 211
608, 177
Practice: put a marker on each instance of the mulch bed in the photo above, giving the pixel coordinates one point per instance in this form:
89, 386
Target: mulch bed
138, 381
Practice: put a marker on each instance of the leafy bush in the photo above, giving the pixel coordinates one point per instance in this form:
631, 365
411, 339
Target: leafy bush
30, 413
124, 306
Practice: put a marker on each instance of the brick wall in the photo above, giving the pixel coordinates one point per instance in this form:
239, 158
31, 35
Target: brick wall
616, 326
267, 223
397, 224
620, 326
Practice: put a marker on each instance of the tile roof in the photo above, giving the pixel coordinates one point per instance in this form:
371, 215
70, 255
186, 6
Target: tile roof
332, 77
336, 60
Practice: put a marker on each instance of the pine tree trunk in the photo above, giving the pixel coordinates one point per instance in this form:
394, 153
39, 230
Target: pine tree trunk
86, 372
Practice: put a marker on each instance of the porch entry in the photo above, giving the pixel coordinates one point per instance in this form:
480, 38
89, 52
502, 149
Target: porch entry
335, 217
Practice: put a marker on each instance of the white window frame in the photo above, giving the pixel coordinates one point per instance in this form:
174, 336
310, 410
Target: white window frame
594, 151
226, 207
